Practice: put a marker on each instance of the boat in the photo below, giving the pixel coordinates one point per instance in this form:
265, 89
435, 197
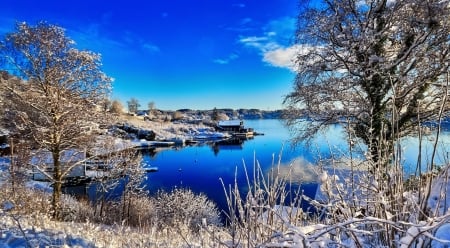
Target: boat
157, 143
151, 169
211, 136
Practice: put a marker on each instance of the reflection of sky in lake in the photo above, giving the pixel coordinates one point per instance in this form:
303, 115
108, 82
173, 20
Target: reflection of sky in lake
410, 149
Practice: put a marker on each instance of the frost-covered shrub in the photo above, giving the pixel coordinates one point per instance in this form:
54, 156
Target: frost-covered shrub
182, 206
141, 211
76, 210
26, 201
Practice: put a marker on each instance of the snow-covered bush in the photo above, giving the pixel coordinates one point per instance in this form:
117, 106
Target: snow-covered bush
26, 201
184, 207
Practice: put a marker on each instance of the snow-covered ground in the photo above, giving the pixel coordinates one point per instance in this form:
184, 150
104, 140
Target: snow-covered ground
170, 130
20, 231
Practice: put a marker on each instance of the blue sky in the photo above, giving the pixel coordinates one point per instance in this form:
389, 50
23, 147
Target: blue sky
197, 54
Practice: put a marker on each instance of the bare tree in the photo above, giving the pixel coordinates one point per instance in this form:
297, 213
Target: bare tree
370, 62
151, 108
381, 68
55, 102
133, 105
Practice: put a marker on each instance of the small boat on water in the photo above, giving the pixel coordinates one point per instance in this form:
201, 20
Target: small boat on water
151, 169
211, 136
154, 143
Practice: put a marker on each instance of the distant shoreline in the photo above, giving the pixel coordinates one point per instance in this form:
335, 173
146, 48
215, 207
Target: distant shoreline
248, 114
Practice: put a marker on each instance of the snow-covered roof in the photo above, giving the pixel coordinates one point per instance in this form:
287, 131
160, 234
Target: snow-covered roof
230, 123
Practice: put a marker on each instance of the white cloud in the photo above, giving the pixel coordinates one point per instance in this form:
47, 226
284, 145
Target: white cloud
282, 57
274, 43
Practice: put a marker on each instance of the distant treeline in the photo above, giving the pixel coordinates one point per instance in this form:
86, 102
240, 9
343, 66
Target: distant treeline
238, 113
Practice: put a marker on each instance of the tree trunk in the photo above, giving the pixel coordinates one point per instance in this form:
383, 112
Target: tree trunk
57, 187
12, 167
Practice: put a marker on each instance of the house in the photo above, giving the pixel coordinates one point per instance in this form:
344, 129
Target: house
42, 163
236, 126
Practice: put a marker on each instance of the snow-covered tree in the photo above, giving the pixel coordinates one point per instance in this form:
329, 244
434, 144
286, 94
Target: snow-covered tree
151, 106
56, 99
381, 65
133, 105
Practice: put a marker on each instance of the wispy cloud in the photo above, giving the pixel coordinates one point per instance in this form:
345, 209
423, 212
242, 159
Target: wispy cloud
262, 43
243, 25
90, 37
93, 38
246, 21
274, 43
150, 47
226, 60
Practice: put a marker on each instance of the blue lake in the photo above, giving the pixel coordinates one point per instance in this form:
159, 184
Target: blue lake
201, 167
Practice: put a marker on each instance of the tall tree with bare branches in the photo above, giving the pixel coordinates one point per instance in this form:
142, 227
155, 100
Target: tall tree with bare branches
54, 99
379, 64
133, 105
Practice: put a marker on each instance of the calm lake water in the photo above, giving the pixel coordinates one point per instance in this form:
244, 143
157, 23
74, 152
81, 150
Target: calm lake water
200, 167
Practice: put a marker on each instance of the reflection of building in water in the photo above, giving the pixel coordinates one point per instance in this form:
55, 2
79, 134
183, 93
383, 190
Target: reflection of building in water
228, 144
